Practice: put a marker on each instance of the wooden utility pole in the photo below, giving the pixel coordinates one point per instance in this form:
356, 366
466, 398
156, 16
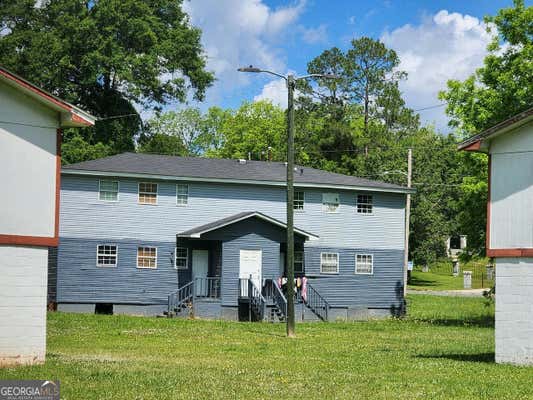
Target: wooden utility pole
290, 206
407, 217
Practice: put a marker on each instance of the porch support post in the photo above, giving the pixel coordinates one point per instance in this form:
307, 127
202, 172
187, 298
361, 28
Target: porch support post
290, 208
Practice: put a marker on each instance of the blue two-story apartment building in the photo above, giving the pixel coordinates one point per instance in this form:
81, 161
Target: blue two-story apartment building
147, 234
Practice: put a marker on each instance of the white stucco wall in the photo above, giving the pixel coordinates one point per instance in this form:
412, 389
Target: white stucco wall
27, 165
22, 304
512, 189
514, 310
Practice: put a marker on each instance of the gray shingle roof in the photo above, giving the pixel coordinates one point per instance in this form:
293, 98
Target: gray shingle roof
258, 172
200, 230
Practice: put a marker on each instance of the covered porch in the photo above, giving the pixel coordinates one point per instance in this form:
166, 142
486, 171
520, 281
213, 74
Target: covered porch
231, 260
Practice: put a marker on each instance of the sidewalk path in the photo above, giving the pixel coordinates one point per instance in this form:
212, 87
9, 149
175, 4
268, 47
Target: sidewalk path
456, 293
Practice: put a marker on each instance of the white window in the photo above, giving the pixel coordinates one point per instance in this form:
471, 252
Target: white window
364, 203
182, 195
106, 255
330, 202
299, 261
329, 263
147, 193
181, 257
108, 190
299, 198
147, 257
364, 264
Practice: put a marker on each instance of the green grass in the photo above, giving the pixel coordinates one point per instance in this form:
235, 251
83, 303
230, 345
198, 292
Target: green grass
443, 350
440, 276
434, 281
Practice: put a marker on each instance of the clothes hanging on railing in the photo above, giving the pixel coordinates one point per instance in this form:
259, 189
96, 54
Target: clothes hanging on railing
304, 289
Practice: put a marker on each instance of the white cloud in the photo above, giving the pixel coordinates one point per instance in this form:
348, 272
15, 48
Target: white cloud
240, 32
275, 91
315, 35
444, 46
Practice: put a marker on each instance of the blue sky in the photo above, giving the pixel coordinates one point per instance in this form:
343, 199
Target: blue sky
436, 41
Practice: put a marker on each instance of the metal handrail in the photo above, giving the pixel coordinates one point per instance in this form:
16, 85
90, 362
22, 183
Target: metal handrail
257, 301
318, 304
208, 287
180, 297
279, 299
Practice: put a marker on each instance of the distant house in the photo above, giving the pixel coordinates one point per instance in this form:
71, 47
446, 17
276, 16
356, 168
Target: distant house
30, 138
455, 245
510, 231
147, 234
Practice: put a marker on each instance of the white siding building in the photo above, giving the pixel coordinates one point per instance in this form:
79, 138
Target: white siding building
510, 231
30, 140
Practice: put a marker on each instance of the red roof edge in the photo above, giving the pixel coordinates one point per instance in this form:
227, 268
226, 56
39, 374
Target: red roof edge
47, 97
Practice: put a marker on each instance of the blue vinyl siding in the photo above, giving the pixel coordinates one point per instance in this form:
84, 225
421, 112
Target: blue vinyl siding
379, 290
81, 281
83, 215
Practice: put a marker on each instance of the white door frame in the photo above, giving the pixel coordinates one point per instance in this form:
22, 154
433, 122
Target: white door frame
255, 270
200, 270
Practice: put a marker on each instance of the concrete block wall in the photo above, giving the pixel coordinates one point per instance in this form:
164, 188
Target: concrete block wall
23, 287
514, 310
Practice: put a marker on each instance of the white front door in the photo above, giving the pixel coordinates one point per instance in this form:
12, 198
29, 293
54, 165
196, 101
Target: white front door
251, 264
200, 266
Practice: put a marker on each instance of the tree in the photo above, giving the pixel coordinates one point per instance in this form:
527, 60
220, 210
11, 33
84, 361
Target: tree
186, 125
256, 130
366, 71
160, 143
110, 57
75, 149
495, 92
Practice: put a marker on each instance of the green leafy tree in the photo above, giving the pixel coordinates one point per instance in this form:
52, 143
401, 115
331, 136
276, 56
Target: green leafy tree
76, 149
110, 57
185, 125
160, 143
256, 130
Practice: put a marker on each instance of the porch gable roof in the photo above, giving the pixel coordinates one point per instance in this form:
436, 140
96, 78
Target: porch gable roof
198, 231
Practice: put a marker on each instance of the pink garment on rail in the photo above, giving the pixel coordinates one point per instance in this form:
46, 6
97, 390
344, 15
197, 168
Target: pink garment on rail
304, 289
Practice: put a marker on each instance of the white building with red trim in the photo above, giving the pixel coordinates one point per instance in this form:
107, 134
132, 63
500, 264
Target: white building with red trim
509, 146
30, 163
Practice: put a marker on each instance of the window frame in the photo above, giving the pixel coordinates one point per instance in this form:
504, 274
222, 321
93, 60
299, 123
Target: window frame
155, 257
364, 205
186, 258
178, 194
299, 210
100, 190
338, 263
356, 272
139, 193
98, 254
324, 204
303, 262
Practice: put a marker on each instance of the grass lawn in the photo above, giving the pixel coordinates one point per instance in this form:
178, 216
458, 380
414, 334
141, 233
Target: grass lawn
434, 281
443, 350
440, 276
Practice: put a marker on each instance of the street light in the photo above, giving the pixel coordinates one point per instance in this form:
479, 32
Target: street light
291, 84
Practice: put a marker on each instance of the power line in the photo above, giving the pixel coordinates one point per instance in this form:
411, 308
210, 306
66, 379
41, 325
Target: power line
430, 107
117, 117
